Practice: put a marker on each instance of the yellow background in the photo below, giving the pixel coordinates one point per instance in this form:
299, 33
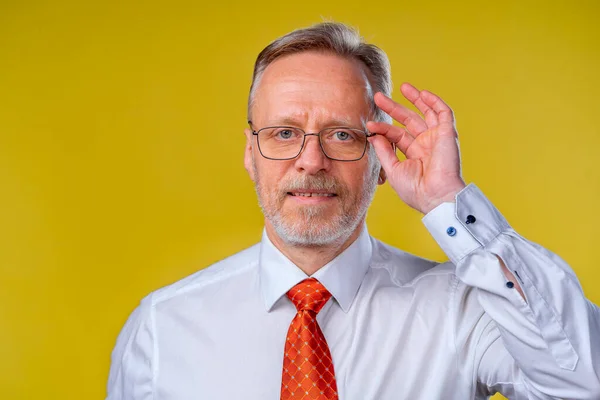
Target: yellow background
121, 149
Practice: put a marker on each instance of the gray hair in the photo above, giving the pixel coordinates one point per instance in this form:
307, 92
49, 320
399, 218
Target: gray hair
336, 38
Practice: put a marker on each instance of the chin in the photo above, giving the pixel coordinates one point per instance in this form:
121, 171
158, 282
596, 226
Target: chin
309, 216
313, 231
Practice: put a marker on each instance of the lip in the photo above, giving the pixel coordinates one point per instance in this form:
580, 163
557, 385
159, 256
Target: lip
317, 196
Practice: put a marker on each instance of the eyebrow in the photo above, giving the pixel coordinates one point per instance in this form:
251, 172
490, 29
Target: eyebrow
331, 122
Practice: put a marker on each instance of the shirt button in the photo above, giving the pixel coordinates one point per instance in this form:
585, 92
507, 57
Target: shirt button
451, 231
510, 285
471, 219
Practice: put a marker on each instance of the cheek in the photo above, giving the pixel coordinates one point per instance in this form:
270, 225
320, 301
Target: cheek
270, 173
354, 179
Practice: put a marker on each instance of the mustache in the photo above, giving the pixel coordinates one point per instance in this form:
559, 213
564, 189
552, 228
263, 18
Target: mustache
320, 181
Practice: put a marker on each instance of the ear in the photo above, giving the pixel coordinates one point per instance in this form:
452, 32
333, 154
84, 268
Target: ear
248, 154
382, 177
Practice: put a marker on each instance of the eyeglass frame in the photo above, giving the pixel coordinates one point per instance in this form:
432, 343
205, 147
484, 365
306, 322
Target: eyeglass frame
318, 134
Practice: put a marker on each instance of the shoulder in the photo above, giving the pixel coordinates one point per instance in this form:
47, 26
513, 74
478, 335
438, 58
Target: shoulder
408, 269
430, 281
219, 273
140, 323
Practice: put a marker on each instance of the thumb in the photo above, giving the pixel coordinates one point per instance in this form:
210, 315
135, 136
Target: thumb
385, 153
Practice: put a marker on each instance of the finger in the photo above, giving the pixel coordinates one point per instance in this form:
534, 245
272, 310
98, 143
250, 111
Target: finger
413, 95
386, 155
406, 117
442, 109
394, 134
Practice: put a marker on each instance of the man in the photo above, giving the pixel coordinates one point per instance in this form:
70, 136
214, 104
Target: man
321, 310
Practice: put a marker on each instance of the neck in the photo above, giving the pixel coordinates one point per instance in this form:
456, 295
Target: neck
310, 259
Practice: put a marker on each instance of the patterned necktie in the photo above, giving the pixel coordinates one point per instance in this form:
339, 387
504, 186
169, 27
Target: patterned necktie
307, 364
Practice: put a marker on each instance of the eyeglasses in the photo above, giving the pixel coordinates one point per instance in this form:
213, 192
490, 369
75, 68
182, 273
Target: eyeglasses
286, 142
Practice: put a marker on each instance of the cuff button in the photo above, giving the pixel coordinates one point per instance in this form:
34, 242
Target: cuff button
471, 219
451, 231
510, 285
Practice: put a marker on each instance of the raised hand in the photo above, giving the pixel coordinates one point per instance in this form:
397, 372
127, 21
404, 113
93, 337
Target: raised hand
430, 175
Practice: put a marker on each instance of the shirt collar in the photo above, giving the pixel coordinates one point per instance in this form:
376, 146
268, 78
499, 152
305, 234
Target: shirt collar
342, 276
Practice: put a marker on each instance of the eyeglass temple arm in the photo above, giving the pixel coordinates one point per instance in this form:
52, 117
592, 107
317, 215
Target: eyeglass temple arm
369, 134
251, 128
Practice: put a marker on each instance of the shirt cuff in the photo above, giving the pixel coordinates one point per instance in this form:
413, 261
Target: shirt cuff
462, 227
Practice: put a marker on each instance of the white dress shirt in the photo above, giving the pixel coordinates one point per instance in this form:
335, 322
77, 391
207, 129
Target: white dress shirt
398, 326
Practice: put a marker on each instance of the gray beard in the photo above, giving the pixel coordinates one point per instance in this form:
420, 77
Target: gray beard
313, 229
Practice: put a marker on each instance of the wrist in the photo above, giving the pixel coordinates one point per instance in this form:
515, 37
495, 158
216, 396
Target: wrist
448, 197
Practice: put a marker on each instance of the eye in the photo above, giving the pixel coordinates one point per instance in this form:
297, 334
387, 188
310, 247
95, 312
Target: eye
342, 135
285, 134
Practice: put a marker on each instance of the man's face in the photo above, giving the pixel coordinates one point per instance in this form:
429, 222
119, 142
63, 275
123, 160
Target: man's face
312, 200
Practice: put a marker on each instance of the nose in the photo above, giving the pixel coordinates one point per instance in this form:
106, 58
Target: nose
312, 159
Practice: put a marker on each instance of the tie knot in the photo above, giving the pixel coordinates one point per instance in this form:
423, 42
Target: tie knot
309, 295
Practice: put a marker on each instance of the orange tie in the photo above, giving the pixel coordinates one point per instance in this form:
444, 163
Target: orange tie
307, 364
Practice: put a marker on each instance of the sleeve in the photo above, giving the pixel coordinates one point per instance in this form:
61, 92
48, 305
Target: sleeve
553, 335
132, 360
498, 372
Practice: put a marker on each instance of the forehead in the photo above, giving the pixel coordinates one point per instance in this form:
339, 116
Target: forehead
313, 87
